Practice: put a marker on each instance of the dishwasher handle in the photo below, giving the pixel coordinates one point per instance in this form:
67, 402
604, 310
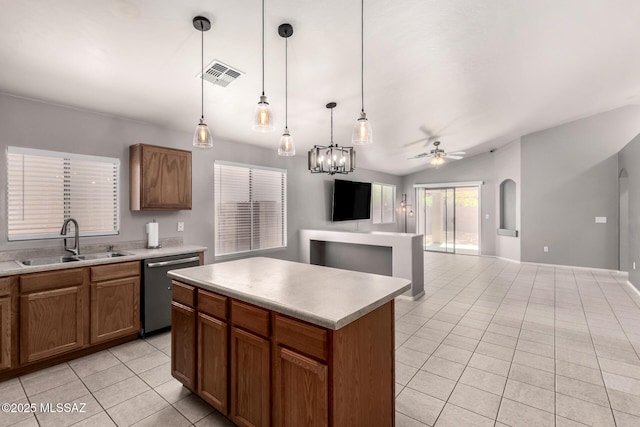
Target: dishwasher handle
173, 262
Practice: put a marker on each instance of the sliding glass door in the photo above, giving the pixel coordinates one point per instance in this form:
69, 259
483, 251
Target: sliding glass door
449, 219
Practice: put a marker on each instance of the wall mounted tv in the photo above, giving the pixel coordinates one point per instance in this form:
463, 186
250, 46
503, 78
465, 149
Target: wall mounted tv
351, 200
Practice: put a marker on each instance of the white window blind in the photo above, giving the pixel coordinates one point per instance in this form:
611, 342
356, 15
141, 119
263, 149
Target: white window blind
250, 208
46, 187
384, 203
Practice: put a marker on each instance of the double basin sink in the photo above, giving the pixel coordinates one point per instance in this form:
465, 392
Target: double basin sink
71, 258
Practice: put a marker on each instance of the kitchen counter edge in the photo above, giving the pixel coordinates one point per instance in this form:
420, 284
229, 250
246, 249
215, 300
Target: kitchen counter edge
12, 268
288, 310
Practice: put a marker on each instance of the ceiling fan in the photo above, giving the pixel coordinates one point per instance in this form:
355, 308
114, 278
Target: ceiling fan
438, 155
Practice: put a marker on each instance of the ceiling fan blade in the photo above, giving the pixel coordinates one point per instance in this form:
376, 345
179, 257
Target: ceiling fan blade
421, 155
449, 156
458, 153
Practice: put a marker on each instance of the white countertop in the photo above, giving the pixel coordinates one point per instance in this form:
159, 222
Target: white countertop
324, 296
9, 268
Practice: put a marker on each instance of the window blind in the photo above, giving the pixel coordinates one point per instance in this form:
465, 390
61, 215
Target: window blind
46, 187
250, 208
383, 201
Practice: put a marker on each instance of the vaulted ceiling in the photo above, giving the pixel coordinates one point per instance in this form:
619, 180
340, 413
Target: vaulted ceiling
475, 74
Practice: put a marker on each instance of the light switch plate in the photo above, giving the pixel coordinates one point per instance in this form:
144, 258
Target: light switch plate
180, 226
601, 220
545, 248
486, 216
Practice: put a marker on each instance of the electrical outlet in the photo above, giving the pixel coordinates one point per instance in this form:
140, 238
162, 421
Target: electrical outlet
486, 216
545, 248
180, 226
634, 265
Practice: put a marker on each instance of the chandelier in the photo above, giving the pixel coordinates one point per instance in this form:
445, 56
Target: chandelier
332, 159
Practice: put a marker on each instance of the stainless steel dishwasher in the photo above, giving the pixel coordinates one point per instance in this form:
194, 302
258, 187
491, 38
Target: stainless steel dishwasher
155, 310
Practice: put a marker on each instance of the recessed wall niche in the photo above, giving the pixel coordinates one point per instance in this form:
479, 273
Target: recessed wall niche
508, 208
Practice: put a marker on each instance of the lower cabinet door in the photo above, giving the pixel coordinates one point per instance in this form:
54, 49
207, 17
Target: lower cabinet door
5, 332
183, 344
212, 361
115, 309
51, 322
250, 380
301, 390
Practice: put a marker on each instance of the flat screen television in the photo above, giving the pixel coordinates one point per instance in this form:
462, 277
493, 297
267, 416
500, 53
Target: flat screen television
351, 200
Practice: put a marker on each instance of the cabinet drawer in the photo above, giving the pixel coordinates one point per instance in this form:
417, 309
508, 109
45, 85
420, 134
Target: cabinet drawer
184, 294
250, 317
37, 282
301, 336
212, 304
5, 288
115, 271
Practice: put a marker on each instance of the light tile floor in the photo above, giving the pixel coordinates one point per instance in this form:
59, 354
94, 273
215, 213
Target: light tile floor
491, 343
499, 343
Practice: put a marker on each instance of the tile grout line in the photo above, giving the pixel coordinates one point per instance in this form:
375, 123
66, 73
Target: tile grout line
533, 284
456, 324
616, 316
593, 344
443, 306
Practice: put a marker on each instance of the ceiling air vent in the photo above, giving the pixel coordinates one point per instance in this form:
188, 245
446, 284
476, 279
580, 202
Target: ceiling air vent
220, 74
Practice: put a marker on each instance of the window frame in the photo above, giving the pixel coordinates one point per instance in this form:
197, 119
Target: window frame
240, 254
66, 195
393, 208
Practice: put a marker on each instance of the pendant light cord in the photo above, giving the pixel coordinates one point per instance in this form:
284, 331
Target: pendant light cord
202, 72
331, 127
362, 52
262, 47
286, 83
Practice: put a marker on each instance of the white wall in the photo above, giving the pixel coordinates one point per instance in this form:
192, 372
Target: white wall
34, 124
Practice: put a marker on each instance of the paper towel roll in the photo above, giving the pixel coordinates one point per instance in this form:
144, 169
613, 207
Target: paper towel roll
152, 234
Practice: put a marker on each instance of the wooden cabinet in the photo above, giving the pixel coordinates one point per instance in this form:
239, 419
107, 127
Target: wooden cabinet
301, 390
213, 349
115, 301
281, 371
183, 334
301, 383
5, 324
159, 177
212, 361
250, 382
53, 313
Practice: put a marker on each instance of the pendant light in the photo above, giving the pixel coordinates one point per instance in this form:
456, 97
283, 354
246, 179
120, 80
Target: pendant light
202, 137
332, 159
263, 117
362, 134
286, 147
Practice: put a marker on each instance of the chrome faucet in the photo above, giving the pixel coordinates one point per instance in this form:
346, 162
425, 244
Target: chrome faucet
76, 248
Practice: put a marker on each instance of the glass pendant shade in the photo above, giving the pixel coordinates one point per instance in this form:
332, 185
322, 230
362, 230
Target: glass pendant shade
263, 117
286, 147
362, 134
202, 137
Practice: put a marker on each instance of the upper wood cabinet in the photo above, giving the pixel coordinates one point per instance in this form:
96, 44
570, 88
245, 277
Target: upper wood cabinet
159, 178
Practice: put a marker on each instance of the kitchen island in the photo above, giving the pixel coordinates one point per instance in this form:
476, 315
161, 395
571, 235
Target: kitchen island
272, 342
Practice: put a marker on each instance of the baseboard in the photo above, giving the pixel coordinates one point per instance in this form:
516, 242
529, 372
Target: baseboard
573, 267
411, 298
515, 261
631, 285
